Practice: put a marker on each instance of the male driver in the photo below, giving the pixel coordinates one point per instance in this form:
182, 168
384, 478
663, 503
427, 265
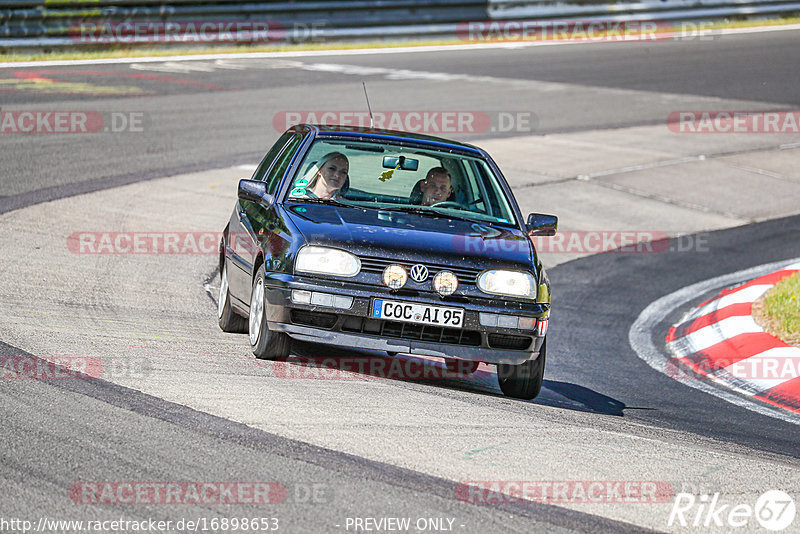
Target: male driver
436, 186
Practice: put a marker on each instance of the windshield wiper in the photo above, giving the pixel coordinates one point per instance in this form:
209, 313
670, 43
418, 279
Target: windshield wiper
322, 201
418, 210
334, 202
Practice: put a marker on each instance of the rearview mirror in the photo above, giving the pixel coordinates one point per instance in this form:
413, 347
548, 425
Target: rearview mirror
255, 191
407, 164
540, 224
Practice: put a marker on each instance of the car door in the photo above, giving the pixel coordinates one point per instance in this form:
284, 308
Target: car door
255, 222
240, 245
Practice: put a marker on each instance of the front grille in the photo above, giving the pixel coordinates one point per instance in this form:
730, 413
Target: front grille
465, 275
315, 319
506, 341
395, 329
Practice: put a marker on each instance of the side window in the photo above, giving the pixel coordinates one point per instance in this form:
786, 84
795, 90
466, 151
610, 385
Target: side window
477, 192
263, 167
495, 201
282, 163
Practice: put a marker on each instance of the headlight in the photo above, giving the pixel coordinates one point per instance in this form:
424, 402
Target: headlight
512, 283
324, 260
395, 276
445, 283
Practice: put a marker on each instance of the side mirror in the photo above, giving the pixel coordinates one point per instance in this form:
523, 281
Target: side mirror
255, 191
540, 224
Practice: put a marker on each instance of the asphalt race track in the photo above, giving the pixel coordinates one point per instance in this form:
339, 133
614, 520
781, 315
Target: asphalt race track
181, 402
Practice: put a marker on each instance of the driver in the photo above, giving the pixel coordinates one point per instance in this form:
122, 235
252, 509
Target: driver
436, 186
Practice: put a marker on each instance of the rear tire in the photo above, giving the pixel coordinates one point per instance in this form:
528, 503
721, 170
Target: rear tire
523, 381
228, 320
266, 344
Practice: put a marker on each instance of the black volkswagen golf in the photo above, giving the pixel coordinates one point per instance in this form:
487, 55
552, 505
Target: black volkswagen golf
388, 241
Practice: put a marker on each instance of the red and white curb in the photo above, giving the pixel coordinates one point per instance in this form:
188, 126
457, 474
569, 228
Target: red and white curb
720, 341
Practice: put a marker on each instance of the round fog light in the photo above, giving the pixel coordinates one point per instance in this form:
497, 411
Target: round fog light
445, 283
395, 276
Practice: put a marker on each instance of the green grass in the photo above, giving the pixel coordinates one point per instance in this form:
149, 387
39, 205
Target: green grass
761, 22
144, 51
782, 306
148, 51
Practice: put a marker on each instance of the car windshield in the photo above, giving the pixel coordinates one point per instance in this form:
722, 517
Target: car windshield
382, 175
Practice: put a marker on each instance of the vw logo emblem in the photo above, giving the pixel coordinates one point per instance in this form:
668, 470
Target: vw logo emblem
419, 273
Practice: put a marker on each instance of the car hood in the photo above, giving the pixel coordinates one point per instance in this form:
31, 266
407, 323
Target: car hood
411, 237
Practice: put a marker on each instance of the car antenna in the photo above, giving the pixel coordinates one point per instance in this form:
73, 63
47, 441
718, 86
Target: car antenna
371, 123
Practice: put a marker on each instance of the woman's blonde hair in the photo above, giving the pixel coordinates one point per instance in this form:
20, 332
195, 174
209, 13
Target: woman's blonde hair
313, 172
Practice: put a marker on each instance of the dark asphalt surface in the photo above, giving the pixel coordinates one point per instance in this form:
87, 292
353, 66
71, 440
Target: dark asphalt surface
599, 297
92, 430
201, 119
759, 67
65, 432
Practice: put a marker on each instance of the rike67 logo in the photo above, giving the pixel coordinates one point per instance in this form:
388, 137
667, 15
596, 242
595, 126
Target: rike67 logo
774, 510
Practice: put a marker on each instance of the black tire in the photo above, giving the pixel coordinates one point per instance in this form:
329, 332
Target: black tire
523, 381
461, 367
266, 344
228, 319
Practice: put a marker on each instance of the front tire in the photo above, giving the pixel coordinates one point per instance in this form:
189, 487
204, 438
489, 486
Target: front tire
266, 344
228, 320
523, 381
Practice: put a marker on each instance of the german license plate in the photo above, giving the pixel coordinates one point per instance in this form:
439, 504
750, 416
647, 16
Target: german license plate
417, 313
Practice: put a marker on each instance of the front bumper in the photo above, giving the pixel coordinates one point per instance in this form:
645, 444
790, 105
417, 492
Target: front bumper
355, 328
